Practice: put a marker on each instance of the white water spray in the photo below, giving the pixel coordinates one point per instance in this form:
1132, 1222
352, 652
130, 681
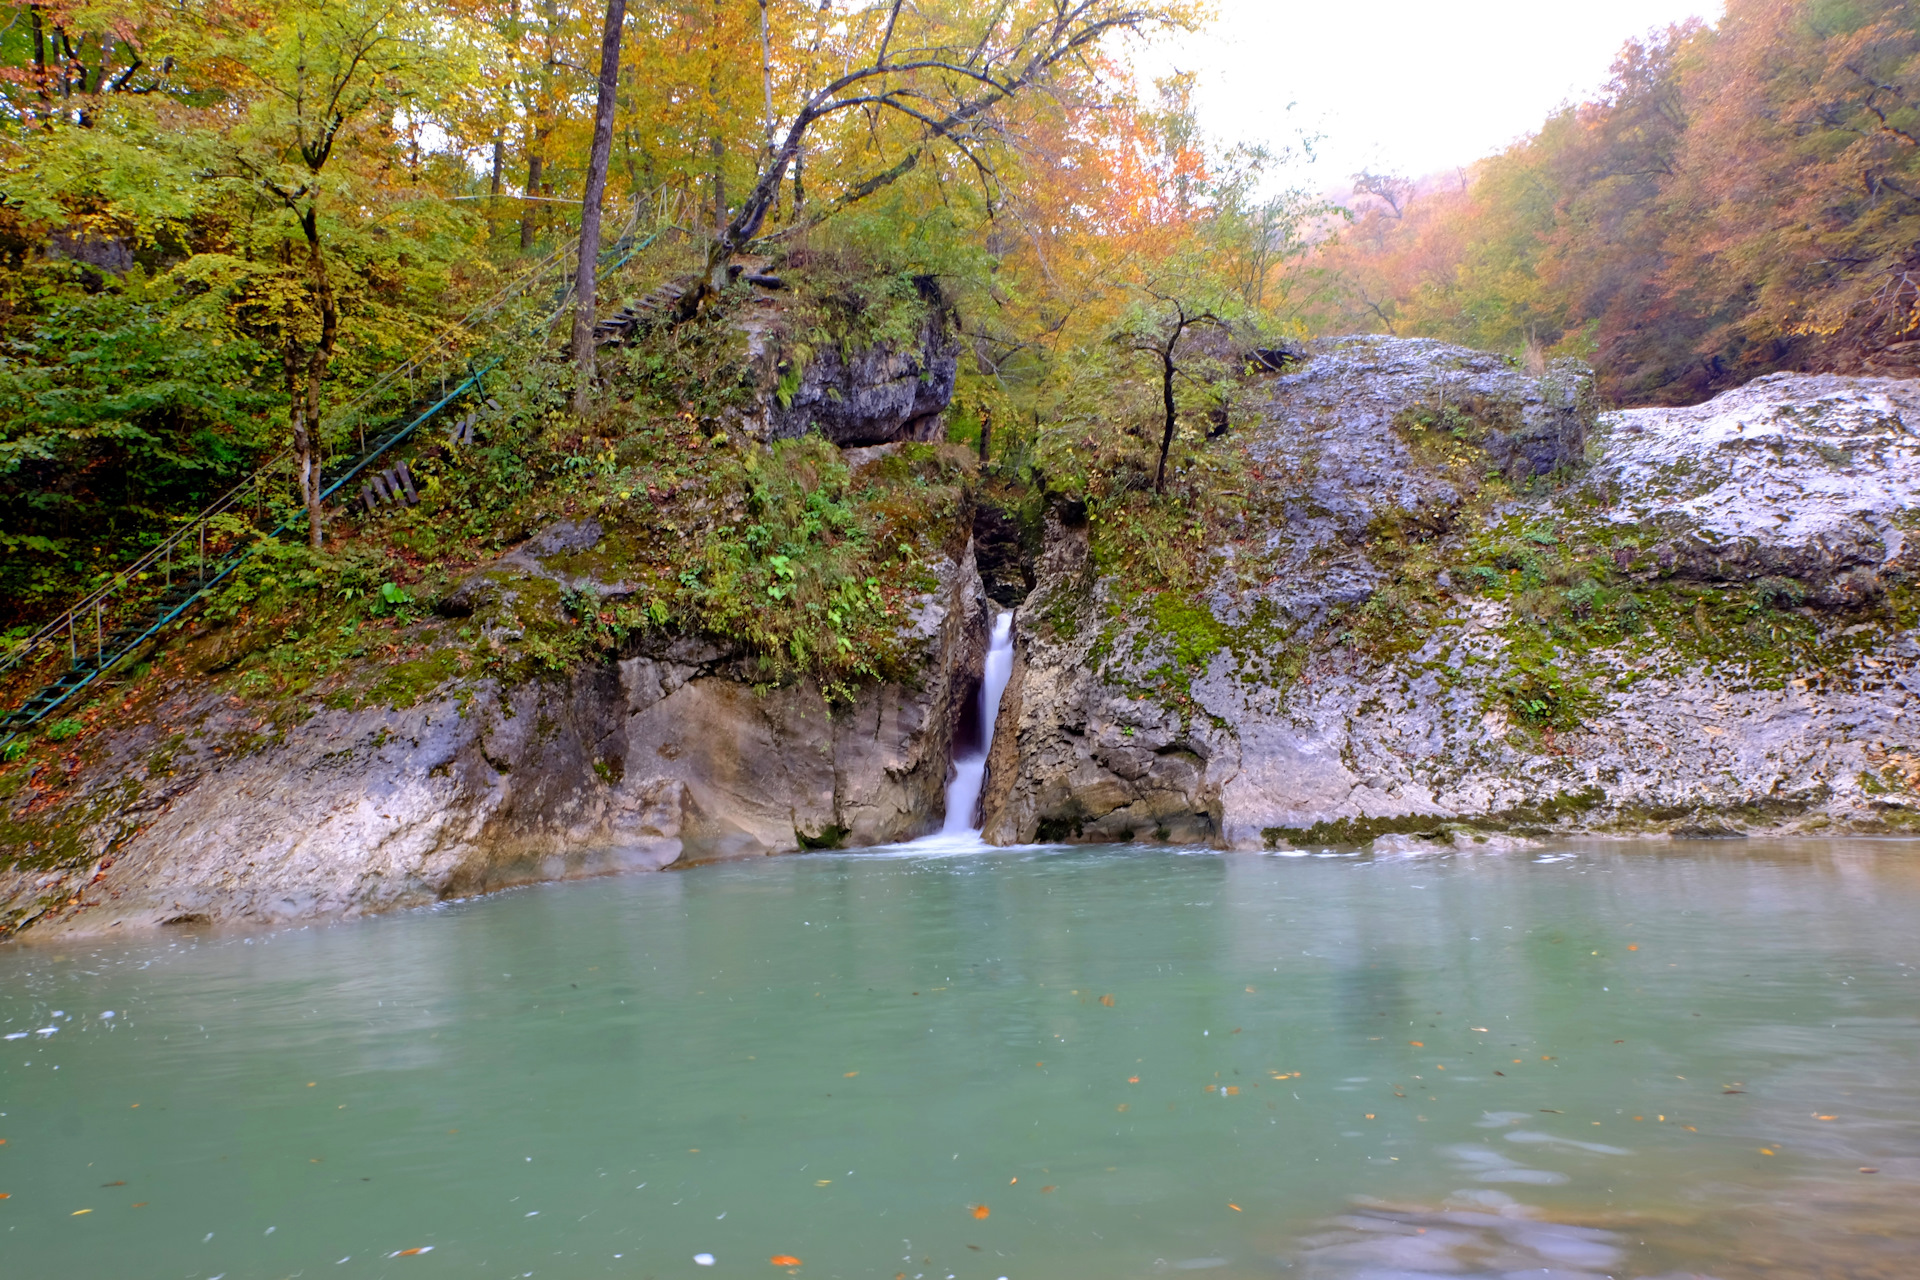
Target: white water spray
969, 771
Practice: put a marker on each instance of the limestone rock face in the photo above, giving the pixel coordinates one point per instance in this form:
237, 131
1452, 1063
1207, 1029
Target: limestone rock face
668, 758
878, 395
1495, 710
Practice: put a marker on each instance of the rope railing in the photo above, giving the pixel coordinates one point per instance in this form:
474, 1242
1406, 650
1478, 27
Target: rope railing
188, 545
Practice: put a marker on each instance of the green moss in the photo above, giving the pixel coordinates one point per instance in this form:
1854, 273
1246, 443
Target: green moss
53, 837
831, 836
405, 684
1550, 812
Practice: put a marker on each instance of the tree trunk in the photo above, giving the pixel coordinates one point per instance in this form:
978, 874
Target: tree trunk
766, 79
531, 205
1166, 396
585, 283
307, 422
493, 186
986, 432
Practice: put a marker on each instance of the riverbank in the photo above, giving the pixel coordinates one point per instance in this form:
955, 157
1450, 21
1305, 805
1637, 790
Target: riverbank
1416, 595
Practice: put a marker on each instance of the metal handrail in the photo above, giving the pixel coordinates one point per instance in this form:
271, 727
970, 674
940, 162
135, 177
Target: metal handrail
66, 624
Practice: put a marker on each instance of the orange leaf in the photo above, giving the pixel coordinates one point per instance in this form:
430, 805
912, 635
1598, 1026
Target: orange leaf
784, 1260
1236, 1208
1107, 1001
1133, 1079
1633, 946
981, 1211
1416, 1044
408, 1253
1044, 1190
1233, 1090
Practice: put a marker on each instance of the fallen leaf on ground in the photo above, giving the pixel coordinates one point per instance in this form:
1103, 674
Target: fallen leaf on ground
981, 1211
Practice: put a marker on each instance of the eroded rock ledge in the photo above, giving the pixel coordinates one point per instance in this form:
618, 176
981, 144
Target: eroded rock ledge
671, 757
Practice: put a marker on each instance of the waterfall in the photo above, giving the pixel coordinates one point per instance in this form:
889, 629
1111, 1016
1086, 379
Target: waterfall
963, 791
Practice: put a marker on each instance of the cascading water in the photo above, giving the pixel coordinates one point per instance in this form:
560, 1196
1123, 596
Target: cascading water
969, 770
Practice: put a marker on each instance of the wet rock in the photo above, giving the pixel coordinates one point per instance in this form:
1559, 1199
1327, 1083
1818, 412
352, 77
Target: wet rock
1797, 490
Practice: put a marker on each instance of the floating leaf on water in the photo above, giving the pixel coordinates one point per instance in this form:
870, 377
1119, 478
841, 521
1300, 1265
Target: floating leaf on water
981, 1211
1044, 1190
77, 1212
409, 1253
1236, 1208
1107, 1001
1133, 1079
1417, 1044
850, 1075
784, 1260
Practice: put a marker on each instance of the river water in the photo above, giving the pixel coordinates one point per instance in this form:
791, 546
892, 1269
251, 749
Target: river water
1622, 1060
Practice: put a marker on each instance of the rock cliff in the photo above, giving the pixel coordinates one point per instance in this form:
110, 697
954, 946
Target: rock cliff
670, 756
1481, 609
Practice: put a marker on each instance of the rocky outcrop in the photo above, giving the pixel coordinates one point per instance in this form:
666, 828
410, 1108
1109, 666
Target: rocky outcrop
1510, 618
882, 393
669, 757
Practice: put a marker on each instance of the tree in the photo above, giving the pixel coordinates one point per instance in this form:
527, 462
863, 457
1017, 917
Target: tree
596, 189
323, 71
1158, 329
943, 77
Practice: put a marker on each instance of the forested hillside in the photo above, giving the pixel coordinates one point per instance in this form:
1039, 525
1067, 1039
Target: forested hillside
221, 223
1743, 198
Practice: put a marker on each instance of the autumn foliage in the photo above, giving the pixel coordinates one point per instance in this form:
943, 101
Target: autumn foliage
1744, 197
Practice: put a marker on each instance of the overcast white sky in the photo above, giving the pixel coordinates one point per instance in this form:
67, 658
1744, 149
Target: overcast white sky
1406, 85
